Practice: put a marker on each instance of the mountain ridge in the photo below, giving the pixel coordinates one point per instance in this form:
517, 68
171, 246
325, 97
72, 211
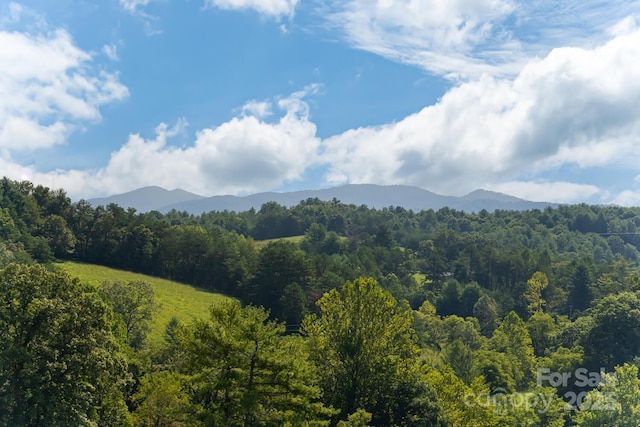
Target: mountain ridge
154, 198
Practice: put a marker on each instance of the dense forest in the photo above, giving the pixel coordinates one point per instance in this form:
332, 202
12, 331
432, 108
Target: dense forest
383, 317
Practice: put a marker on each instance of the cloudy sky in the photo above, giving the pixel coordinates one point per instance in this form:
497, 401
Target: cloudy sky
535, 98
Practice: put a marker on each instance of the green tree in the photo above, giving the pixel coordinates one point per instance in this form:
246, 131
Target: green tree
163, 401
58, 235
512, 339
533, 293
360, 418
60, 364
615, 403
135, 304
542, 329
314, 238
460, 358
462, 404
282, 276
365, 349
486, 311
615, 336
467, 330
246, 373
580, 292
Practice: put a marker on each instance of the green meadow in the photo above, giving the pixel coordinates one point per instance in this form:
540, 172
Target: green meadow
174, 299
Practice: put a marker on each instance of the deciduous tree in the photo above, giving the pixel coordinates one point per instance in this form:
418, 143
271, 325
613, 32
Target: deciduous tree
60, 365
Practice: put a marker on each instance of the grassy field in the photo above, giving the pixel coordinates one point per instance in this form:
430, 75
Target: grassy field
292, 239
175, 299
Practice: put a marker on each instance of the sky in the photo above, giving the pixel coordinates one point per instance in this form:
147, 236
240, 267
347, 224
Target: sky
539, 99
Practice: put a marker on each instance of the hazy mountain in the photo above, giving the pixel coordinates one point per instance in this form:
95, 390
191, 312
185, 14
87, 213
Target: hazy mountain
147, 199
375, 196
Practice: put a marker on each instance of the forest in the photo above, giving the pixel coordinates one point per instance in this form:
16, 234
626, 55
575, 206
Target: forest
342, 315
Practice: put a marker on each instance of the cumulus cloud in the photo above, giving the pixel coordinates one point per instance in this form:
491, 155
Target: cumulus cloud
259, 109
47, 88
464, 39
627, 198
575, 106
544, 191
273, 8
245, 154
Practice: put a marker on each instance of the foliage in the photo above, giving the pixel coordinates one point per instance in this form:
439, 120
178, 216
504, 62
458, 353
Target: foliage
615, 403
134, 303
163, 401
533, 294
59, 362
245, 373
365, 349
460, 401
512, 339
615, 336
453, 289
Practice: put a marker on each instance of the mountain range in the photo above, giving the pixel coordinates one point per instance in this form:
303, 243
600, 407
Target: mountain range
375, 196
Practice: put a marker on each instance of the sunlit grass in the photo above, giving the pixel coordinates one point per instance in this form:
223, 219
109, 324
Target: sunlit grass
292, 239
174, 299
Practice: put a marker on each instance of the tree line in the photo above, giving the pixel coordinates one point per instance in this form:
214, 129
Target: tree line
448, 257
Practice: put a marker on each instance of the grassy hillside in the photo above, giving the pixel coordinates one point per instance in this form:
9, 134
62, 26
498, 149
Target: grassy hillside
292, 239
175, 299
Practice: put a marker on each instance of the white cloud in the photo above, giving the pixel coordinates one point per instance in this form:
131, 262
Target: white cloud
111, 51
627, 198
543, 191
274, 8
464, 39
47, 87
245, 154
134, 5
137, 8
576, 106
259, 109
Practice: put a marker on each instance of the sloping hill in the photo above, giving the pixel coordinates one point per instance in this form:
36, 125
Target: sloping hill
175, 299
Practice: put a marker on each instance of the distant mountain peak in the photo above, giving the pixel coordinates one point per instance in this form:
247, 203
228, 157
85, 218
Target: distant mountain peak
375, 196
481, 194
147, 199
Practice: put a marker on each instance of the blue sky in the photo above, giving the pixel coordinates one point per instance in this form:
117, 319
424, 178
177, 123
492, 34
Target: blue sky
539, 99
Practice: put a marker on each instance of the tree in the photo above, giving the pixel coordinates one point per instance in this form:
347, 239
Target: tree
533, 293
58, 235
580, 292
365, 349
470, 295
615, 336
512, 339
542, 329
163, 401
486, 311
615, 403
244, 372
459, 400
460, 358
59, 361
360, 418
282, 267
134, 302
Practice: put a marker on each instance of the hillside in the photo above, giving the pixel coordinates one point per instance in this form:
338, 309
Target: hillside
175, 299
